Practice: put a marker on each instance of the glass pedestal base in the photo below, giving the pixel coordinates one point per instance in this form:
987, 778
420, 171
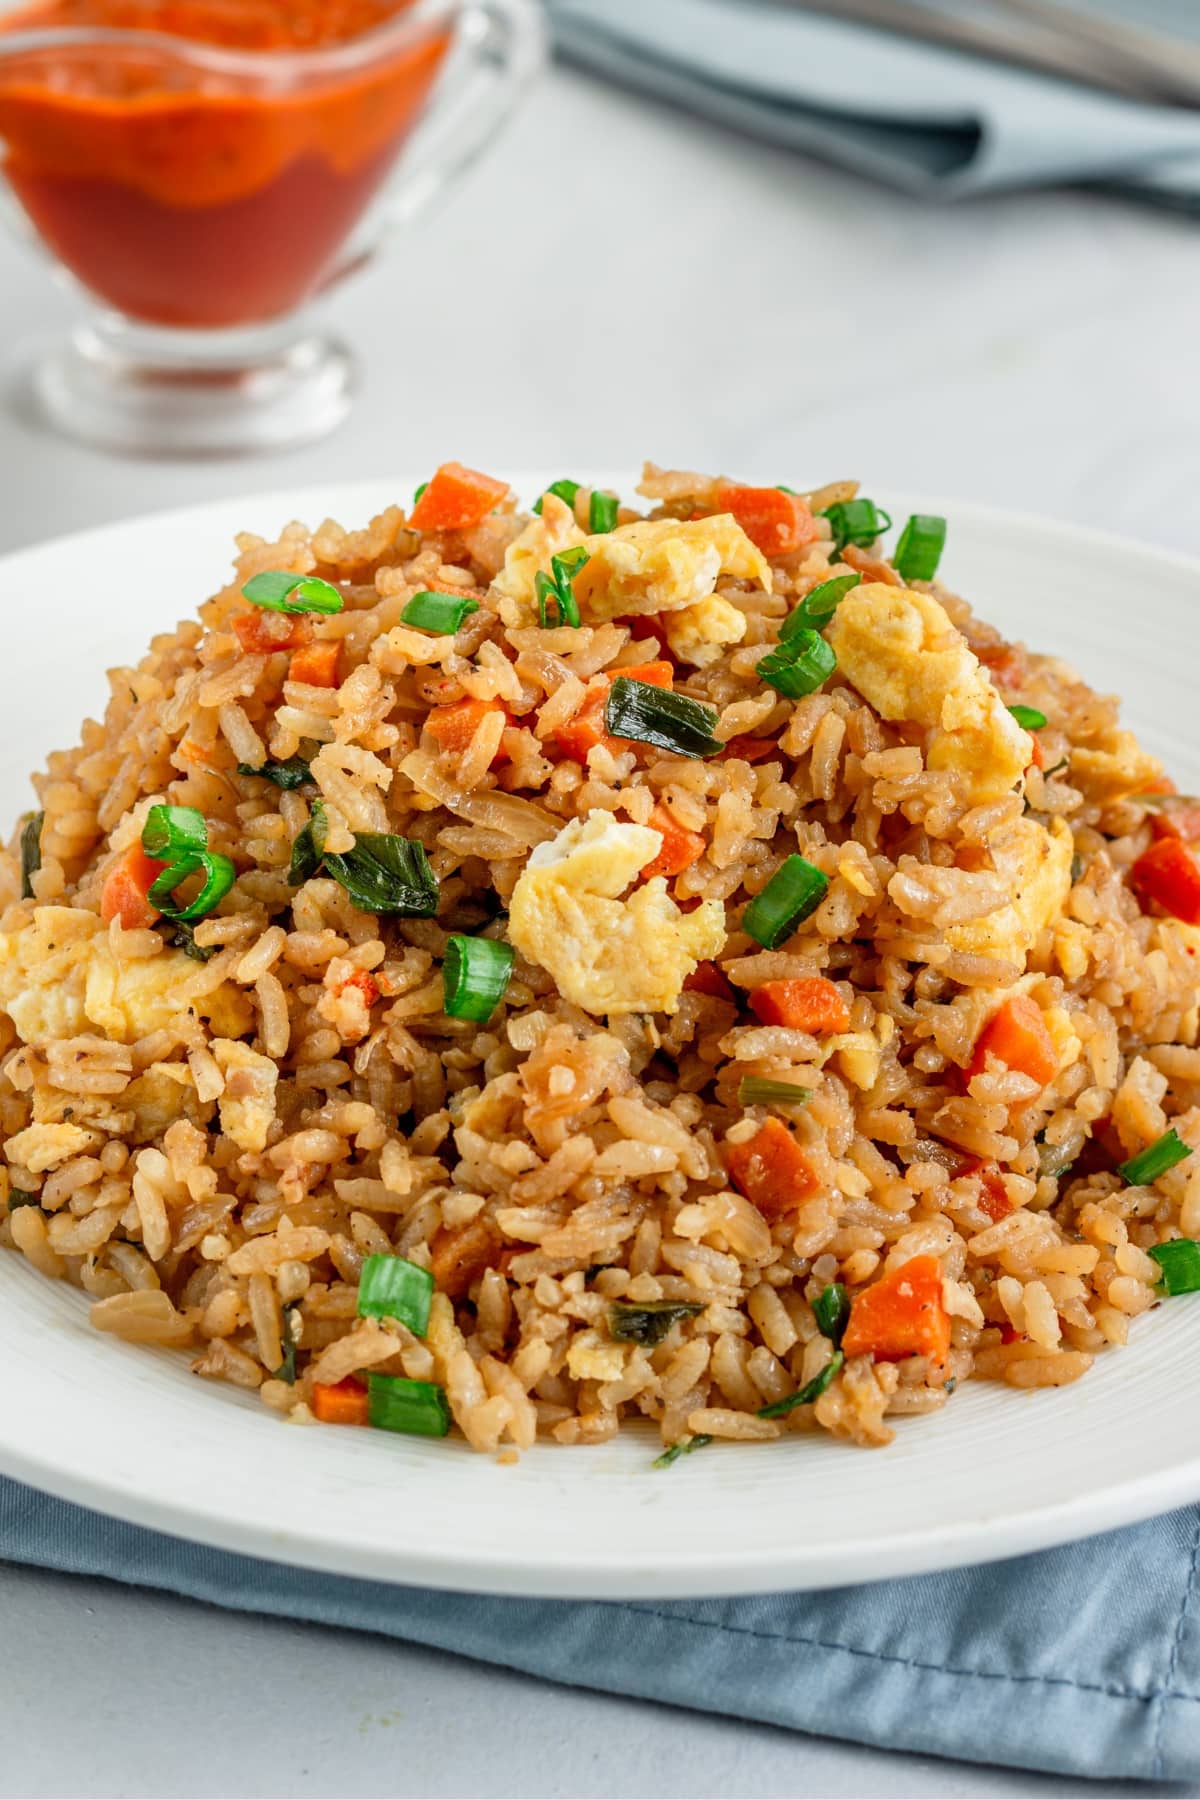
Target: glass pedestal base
151, 392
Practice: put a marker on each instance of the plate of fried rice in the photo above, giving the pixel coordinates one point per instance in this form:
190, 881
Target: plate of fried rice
542, 1022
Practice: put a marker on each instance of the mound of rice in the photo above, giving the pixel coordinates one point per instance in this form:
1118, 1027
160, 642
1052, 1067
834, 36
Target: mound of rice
209, 1137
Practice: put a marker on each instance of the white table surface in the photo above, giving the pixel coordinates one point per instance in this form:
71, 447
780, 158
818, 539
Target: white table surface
725, 307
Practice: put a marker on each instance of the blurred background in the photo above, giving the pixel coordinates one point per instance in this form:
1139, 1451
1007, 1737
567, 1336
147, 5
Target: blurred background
957, 253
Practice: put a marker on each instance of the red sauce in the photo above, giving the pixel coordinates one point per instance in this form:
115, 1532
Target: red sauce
186, 198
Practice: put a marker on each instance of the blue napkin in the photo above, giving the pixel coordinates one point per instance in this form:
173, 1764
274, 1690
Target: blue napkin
1084, 1660
940, 123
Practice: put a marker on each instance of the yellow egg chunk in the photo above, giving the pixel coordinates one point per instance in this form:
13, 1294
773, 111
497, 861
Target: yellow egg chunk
661, 565
247, 1107
530, 554
700, 634
608, 955
899, 649
1035, 865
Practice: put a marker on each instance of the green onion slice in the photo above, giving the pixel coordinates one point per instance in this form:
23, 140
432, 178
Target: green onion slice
649, 1323
219, 876
290, 774
475, 974
1155, 1159
754, 1091
920, 547
385, 873
781, 487
173, 833
1028, 718
416, 1408
652, 715
287, 1368
555, 590
31, 852
308, 847
818, 606
602, 512
794, 891
831, 1309
22, 1197
419, 490
673, 1453
1179, 1261
799, 666
183, 937
562, 490
280, 591
812, 1390
439, 613
391, 1287
856, 522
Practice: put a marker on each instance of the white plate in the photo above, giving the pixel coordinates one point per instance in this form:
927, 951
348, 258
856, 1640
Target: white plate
130, 1432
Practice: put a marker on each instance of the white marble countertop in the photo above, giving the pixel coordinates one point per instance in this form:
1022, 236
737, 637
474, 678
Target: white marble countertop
615, 281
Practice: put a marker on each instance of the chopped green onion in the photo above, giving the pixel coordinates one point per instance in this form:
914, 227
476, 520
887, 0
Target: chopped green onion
673, 1453
287, 1368
391, 1287
21, 1197
818, 605
812, 1390
831, 1309
651, 715
562, 490
856, 522
183, 937
419, 490
602, 512
440, 613
308, 847
385, 873
794, 891
1028, 717
555, 590
31, 852
753, 1091
475, 974
1179, 1261
1056, 768
1155, 1159
219, 877
799, 665
290, 774
416, 1408
174, 832
781, 487
280, 591
650, 1322
920, 547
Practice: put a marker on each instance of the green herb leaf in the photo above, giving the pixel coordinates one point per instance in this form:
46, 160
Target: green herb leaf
475, 974
920, 547
602, 512
442, 614
308, 847
1179, 1261
1028, 717
562, 490
756, 1091
805, 1396
287, 1368
1155, 1159
183, 937
385, 873
799, 665
831, 1309
21, 1197
795, 890
650, 1322
684, 1447
856, 522
651, 715
390, 1287
288, 775
31, 852
416, 1408
278, 590
818, 606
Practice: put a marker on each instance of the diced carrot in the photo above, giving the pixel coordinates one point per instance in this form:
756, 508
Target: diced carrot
366, 985
1017, 1035
805, 1003
777, 522
1169, 874
456, 498
459, 1255
453, 727
260, 632
316, 664
126, 887
750, 749
680, 847
709, 978
771, 1170
341, 1402
586, 729
1038, 759
902, 1314
1162, 784
1182, 821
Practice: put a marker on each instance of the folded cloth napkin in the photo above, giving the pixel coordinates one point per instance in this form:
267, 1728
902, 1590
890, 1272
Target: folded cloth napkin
1084, 1660
938, 122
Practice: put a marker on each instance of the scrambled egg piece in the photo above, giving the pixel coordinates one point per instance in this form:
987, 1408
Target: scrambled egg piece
608, 955
1124, 768
1035, 865
698, 634
41, 1147
58, 977
530, 553
901, 652
247, 1107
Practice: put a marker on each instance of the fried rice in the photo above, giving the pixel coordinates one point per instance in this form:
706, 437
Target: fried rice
683, 1172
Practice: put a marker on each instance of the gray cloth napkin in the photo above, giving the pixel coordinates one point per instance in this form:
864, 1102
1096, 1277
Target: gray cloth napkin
940, 123
1084, 1660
